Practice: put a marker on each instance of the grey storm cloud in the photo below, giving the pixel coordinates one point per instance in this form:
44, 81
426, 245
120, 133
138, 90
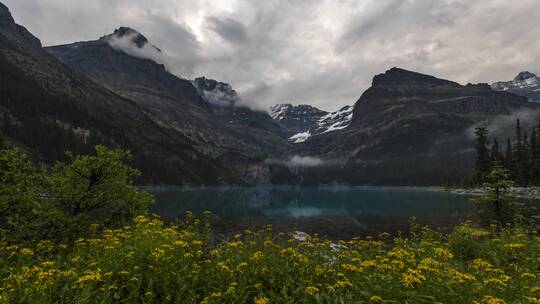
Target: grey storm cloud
229, 29
323, 53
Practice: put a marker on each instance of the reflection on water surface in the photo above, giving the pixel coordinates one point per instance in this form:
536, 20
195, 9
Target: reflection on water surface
334, 211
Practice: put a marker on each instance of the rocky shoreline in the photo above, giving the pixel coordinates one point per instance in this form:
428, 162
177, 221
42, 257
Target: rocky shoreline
520, 192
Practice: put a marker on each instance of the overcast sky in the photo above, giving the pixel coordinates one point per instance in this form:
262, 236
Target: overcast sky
323, 53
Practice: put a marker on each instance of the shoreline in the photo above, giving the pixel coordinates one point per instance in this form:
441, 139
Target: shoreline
520, 192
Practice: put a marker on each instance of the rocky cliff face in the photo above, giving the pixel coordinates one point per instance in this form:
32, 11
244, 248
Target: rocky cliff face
204, 110
48, 108
170, 101
216, 93
408, 120
15, 32
524, 84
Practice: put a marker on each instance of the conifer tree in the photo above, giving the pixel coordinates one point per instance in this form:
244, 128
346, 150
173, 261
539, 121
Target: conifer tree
496, 154
519, 155
509, 158
497, 204
525, 164
533, 157
483, 157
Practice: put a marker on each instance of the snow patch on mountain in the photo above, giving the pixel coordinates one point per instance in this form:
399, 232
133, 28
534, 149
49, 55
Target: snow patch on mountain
305, 121
300, 137
524, 80
336, 120
279, 111
525, 84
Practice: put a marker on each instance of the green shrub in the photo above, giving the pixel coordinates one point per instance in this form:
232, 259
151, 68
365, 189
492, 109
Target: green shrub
58, 203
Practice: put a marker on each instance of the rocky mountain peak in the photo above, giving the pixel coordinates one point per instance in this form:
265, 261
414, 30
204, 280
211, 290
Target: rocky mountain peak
9, 28
215, 92
524, 76
136, 37
397, 76
283, 110
525, 84
5, 16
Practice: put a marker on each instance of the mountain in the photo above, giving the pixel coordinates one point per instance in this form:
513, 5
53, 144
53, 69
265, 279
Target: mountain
204, 110
228, 107
303, 121
216, 93
47, 108
407, 128
524, 84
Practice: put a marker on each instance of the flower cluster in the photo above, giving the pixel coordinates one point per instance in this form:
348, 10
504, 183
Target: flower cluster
151, 262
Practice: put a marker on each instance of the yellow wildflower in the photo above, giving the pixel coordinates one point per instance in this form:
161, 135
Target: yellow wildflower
342, 284
215, 294
311, 290
26, 251
257, 256
412, 277
514, 246
492, 300
443, 253
261, 300
375, 299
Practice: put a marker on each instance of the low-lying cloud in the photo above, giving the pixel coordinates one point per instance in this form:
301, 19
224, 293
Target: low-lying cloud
504, 126
127, 45
298, 161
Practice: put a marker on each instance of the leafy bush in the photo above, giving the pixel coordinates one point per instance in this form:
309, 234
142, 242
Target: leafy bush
58, 203
149, 262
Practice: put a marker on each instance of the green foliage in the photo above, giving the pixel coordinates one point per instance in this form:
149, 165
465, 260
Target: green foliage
60, 202
149, 262
497, 205
20, 189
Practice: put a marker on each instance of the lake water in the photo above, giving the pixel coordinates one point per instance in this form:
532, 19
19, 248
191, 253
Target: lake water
336, 212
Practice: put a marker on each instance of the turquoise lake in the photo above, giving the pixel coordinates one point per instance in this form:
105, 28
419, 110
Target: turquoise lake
336, 212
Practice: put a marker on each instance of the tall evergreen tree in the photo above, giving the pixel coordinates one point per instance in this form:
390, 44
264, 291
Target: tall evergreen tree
533, 157
518, 154
509, 158
496, 154
525, 165
483, 157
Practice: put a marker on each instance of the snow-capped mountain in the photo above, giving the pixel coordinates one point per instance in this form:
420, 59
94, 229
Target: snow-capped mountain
524, 84
303, 121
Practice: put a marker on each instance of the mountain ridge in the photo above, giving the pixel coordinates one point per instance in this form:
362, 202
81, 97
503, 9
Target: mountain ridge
236, 136
49, 108
407, 128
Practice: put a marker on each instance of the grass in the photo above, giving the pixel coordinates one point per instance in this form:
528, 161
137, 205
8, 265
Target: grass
150, 262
